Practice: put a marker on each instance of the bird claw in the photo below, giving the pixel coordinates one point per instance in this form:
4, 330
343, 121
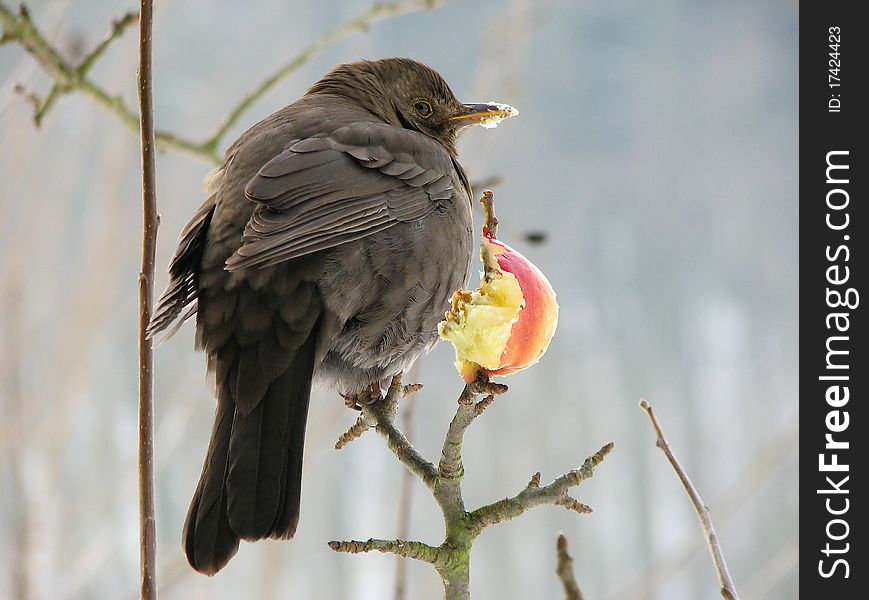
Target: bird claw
351, 402
364, 397
374, 395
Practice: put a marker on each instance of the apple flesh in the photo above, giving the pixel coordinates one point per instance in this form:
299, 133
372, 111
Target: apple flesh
506, 324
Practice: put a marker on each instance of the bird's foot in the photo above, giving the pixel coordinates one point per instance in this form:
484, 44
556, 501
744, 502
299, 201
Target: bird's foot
364, 397
351, 401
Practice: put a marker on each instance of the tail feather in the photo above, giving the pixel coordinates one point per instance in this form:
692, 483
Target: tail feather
251, 481
208, 539
287, 518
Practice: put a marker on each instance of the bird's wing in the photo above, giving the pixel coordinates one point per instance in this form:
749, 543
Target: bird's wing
324, 191
183, 286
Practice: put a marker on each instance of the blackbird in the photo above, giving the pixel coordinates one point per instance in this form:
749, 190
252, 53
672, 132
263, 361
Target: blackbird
326, 250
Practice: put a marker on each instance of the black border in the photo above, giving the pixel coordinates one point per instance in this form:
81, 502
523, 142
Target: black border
823, 131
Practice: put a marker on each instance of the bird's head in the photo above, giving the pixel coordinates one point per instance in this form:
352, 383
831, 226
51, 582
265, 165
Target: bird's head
409, 94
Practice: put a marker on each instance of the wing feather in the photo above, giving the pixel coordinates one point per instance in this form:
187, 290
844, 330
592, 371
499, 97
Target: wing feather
324, 191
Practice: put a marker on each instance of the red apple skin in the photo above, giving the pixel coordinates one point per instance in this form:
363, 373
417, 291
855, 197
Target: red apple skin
531, 334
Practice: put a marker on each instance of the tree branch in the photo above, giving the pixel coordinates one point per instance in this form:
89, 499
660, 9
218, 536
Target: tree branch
555, 493
728, 590
69, 78
147, 519
403, 548
117, 30
381, 416
452, 557
490, 221
564, 570
377, 12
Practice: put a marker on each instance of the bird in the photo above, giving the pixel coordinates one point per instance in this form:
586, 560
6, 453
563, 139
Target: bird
329, 243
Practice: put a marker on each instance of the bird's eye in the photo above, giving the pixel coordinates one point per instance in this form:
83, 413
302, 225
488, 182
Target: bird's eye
422, 108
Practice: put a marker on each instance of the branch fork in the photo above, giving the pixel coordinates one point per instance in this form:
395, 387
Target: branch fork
452, 557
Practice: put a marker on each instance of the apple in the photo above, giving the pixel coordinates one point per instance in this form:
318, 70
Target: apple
506, 324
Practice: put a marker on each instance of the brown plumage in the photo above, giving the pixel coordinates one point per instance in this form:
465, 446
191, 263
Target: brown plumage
330, 241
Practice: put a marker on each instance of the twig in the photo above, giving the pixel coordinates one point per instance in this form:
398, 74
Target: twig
555, 493
452, 557
746, 484
147, 520
564, 570
117, 30
490, 229
68, 77
376, 13
405, 549
728, 590
381, 416
490, 221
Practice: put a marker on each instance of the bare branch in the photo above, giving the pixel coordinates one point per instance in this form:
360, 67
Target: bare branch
147, 518
564, 570
69, 78
490, 221
727, 505
728, 590
555, 493
405, 549
117, 30
31, 97
381, 416
354, 432
376, 13
451, 558
42, 109
450, 466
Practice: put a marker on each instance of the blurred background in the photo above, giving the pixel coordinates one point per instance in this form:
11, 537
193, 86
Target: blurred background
656, 152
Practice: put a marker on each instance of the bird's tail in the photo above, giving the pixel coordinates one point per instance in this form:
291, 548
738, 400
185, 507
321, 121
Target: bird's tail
251, 480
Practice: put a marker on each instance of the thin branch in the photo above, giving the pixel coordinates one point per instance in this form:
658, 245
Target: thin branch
490, 230
403, 548
452, 557
490, 221
728, 590
381, 416
20, 28
68, 77
147, 519
534, 495
117, 30
745, 486
41, 109
376, 13
564, 570
354, 432
450, 465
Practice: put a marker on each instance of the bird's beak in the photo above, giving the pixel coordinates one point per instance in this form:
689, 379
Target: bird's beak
488, 114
